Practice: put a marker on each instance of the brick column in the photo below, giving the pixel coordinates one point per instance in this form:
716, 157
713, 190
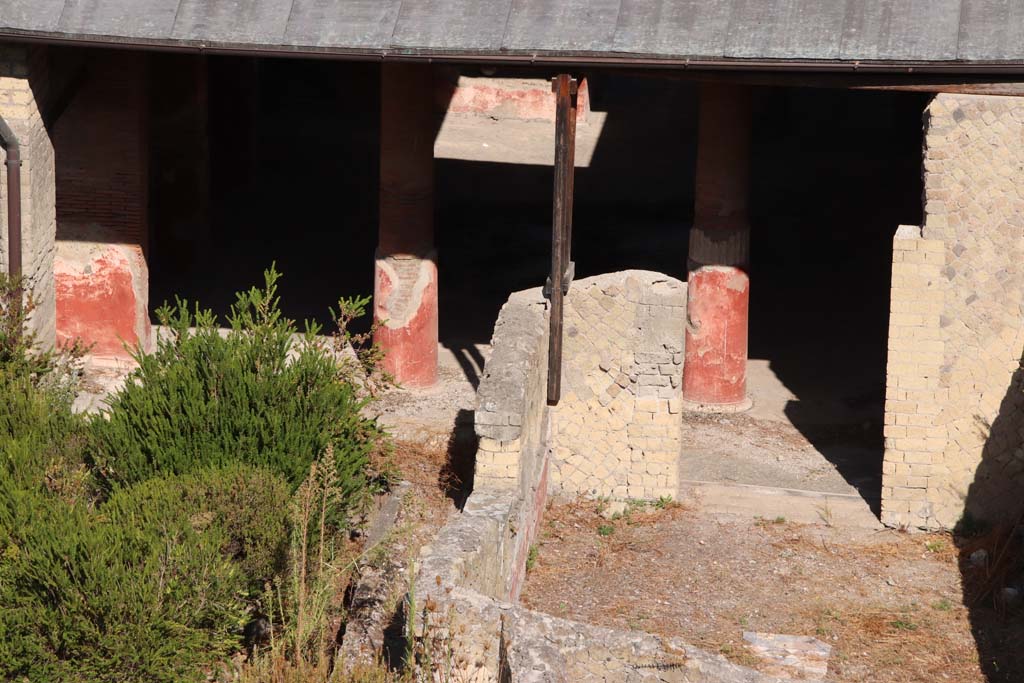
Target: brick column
954, 410
914, 438
405, 280
24, 83
718, 291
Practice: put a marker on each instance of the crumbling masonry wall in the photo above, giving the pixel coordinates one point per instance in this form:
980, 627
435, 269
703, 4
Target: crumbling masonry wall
954, 431
512, 460
616, 431
24, 86
471, 575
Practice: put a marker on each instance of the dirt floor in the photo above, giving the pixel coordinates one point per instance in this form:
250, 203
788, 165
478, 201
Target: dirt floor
890, 604
448, 406
827, 439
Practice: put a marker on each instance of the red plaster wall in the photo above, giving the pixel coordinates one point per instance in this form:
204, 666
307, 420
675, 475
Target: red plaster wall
504, 98
102, 197
410, 344
98, 301
715, 365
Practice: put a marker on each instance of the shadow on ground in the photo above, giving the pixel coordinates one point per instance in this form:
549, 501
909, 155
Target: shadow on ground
456, 477
992, 555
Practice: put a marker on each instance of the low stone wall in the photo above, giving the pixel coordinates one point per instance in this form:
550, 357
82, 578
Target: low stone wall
539, 648
510, 418
620, 329
465, 597
616, 430
955, 402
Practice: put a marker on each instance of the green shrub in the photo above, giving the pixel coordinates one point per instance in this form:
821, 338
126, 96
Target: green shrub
41, 441
21, 358
132, 544
249, 505
92, 598
152, 585
259, 394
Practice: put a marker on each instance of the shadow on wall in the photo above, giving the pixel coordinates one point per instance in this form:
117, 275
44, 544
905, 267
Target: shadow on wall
992, 555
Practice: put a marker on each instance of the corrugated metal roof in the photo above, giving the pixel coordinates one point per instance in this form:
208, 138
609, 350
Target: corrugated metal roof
926, 32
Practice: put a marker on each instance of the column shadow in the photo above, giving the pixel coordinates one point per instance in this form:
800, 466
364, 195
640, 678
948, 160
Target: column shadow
469, 358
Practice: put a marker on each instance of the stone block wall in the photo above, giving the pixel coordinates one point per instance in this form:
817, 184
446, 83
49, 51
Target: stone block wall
24, 94
471, 575
511, 411
913, 395
955, 408
616, 431
511, 422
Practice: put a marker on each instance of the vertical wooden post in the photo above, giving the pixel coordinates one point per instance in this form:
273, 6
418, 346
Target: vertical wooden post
564, 87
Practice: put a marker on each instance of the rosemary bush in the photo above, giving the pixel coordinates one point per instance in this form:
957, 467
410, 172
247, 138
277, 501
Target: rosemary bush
134, 545
261, 394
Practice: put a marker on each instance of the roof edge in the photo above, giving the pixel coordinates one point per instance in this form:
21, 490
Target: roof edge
573, 59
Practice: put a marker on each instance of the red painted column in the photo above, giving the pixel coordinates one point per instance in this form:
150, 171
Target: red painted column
718, 290
405, 278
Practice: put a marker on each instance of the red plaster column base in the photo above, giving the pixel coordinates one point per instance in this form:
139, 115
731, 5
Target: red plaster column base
102, 296
405, 300
715, 364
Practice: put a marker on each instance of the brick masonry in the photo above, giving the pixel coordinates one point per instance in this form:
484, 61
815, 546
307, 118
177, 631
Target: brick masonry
616, 430
24, 85
471, 575
954, 406
511, 415
102, 161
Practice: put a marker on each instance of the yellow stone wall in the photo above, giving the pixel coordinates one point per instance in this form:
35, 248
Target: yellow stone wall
616, 431
954, 409
24, 83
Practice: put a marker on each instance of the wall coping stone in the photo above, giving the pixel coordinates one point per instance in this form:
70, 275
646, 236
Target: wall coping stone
501, 397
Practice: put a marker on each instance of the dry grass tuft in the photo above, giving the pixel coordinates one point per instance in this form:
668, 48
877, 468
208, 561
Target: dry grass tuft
435, 461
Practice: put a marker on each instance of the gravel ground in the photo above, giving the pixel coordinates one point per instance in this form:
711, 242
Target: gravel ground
891, 605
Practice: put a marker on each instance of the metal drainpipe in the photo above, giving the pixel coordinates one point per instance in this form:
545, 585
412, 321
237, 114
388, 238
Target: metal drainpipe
9, 141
